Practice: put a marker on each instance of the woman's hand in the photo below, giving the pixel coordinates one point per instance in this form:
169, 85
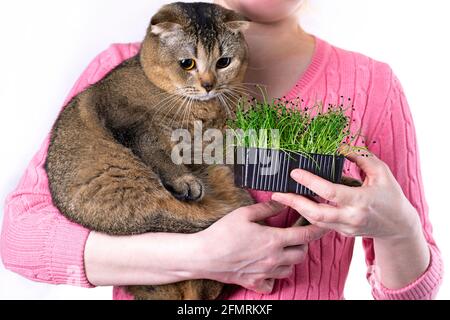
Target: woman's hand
238, 250
378, 209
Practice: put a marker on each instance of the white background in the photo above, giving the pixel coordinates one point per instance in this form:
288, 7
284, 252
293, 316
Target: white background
46, 44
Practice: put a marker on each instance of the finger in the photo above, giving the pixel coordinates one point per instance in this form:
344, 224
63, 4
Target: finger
283, 272
369, 163
296, 236
294, 255
312, 211
325, 189
323, 229
261, 211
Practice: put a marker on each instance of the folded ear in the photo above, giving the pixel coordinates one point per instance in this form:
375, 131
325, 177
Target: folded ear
164, 28
165, 21
237, 26
236, 21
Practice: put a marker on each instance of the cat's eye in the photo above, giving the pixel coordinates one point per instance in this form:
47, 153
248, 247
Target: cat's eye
187, 64
222, 63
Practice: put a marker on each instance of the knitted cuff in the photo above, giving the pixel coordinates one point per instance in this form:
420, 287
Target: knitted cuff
424, 288
66, 257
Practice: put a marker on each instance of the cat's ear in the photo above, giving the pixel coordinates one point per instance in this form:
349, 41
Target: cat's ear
165, 22
165, 28
237, 26
236, 22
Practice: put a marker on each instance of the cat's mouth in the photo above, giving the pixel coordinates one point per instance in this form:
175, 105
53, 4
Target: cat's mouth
193, 93
203, 97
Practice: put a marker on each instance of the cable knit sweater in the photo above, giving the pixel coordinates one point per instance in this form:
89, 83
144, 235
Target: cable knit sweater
42, 245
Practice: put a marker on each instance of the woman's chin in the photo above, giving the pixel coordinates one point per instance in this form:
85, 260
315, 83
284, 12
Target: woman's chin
267, 11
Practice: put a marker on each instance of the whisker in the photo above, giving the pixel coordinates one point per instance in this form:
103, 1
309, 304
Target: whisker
180, 109
144, 114
235, 98
239, 93
185, 110
226, 107
173, 100
231, 110
253, 83
189, 110
244, 90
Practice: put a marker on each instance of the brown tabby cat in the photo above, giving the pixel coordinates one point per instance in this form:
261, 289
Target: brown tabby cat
109, 163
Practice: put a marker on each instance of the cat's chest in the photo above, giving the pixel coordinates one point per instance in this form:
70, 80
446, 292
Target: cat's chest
201, 118
197, 125
209, 114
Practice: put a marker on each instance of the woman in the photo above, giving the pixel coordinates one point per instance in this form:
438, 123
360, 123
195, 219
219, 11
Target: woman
268, 262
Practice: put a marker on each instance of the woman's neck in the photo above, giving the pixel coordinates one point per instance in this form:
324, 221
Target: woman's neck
271, 39
279, 53
270, 42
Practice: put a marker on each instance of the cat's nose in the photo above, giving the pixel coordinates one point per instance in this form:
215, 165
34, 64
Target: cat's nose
208, 86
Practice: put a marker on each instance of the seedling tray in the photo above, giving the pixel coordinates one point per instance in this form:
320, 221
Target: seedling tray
269, 169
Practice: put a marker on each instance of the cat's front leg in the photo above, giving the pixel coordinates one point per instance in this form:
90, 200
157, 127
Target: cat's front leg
183, 185
178, 179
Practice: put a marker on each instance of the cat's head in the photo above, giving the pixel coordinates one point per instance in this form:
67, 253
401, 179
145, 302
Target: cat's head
195, 49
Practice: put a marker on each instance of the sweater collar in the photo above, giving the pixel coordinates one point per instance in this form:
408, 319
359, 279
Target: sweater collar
317, 64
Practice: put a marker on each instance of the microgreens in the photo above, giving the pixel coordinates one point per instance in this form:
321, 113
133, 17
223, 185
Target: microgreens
315, 130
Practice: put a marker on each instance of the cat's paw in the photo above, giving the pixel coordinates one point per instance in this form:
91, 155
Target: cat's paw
185, 188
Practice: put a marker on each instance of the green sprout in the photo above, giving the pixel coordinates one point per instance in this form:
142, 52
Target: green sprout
315, 130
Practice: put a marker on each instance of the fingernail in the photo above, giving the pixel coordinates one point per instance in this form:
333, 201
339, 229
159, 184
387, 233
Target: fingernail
297, 174
277, 196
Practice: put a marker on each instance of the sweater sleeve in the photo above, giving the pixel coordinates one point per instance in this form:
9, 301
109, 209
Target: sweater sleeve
37, 241
396, 144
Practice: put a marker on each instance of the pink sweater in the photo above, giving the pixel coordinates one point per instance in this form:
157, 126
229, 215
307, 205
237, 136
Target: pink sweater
42, 245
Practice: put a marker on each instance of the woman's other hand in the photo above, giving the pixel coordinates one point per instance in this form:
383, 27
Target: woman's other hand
378, 209
241, 251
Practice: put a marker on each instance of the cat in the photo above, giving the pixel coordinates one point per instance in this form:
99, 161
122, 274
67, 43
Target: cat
109, 163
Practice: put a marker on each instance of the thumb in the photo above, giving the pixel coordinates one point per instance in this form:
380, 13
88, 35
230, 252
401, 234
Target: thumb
264, 210
296, 236
312, 232
367, 162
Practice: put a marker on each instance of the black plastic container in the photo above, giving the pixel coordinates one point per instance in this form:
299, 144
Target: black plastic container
269, 169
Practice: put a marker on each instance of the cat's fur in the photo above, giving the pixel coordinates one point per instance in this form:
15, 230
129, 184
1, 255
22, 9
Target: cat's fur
109, 164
